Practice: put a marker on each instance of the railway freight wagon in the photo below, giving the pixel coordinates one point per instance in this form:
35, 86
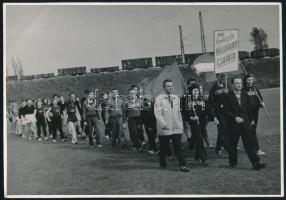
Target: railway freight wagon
37, 76
104, 69
11, 78
265, 52
136, 63
72, 71
49, 75
243, 55
30, 77
162, 61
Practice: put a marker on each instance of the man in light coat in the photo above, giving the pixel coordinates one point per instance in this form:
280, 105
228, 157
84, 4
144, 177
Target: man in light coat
169, 124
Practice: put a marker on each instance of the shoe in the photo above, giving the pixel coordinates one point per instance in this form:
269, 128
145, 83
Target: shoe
39, 139
99, 145
107, 137
54, 141
232, 166
140, 149
238, 148
260, 152
184, 169
205, 162
46, 138
210, 146
64, 139
151, 152
259, 166
219, 152
163, 165
51, 136
143, 143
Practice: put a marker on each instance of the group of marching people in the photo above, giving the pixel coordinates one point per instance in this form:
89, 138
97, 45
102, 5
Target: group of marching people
87, 117
234, 111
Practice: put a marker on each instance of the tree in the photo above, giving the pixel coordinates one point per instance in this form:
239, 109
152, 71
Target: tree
259, 38
18, 68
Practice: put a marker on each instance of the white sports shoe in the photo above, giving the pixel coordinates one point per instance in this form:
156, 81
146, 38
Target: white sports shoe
260, 152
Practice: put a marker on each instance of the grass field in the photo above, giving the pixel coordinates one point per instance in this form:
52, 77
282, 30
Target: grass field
43, 168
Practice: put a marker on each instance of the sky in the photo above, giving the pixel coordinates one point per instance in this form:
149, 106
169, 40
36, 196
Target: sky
48, 37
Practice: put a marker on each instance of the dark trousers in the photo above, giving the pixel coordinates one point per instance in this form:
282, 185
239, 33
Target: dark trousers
151, 134
165, 148
247, 140
56, 123
255, 114
204, 133
107, 126
134, 128
41, 124
116, 124
140, 129
92, 122
50, 128
197, 132
222, 137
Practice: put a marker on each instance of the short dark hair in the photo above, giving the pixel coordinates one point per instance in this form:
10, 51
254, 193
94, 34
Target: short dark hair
132, 88
191, 80
55, 95
72, 93
135, 86
235, 77
86, 91
165, 81
245, 79
113, 89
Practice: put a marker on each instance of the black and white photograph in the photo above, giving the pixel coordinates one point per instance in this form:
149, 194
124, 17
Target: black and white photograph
142, 100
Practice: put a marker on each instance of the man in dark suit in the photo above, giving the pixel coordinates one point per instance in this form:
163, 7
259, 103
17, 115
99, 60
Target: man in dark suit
240, 123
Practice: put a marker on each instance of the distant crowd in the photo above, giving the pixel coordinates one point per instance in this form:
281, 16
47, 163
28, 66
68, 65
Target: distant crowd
234, 110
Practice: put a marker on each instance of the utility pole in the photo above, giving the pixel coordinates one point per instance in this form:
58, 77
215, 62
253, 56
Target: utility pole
203, 42
182, 45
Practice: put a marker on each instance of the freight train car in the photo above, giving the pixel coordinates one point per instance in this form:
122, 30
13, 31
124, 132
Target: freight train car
30, 77
162, 61
265, 52
243, 55
49, 75
11, 78
72, 71
136, 63
104, 69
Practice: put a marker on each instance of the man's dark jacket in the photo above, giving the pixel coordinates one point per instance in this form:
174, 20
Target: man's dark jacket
232, 109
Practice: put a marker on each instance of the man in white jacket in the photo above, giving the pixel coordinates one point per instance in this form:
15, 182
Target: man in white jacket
169, 124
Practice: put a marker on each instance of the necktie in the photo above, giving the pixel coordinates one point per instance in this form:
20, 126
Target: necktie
171, 101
